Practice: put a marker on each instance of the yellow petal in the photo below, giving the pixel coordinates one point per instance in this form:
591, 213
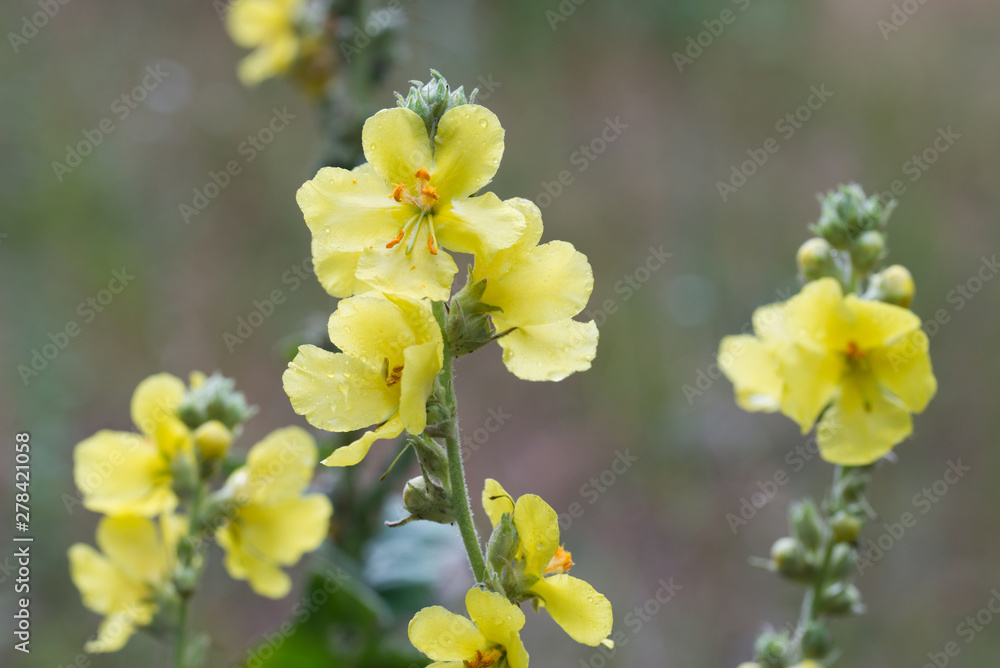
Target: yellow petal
372, 329
250, 22
904, 368
517, 655
467, 150
496, 501
504, 260
417, 274
155, 401
811, 377
396, 144
550, 283
349, 455
335, 271
271, 59
862, 425
537, 526
337, 392
481, 225
769, 322
752, 367
817, 316
419, 318
445, 636
577, 607
496, 617
421, 365
120, 472
103, 586
548, 352
349, 211
117, 628
878, 324
280, 466
265, 577
134, 546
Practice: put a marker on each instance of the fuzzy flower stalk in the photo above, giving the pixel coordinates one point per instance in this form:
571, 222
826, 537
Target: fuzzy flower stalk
384, 240
845, 355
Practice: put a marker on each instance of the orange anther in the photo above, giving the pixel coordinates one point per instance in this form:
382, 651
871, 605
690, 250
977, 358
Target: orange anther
430, 191
561, 562
431, 246
399, 237
853, 352
422, 174
397, 192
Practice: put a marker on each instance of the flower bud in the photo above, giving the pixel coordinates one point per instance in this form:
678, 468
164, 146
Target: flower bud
897, 286
427, 501
806, 523
846, 527
770, 649
842, 560
815, 259
867, 250
789, 559
816, 643
832, 230
214, 398
502, 547
212, 440
841, 599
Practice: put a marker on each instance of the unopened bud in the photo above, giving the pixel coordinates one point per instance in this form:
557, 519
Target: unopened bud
502, 547
770, 649
897, 286
789, 558
816, 643
806, 523
427, 501
846, 527
841, 599
815, 259
212, 440
867, 250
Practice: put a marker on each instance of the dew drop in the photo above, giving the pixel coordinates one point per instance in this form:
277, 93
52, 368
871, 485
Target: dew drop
483, 123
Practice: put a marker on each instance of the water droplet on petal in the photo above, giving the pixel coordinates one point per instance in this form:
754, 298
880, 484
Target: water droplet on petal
483, 122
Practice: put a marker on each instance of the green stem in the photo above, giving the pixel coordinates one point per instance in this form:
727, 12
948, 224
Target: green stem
181, 632
456, 471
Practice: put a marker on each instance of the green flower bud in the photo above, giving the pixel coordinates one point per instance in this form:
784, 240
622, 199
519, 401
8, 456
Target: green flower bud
184, 474
816, 642
186, 580
215, 398
770, 650
432, 457
832, 230
842, 560
868, 249
212, 440
432, 99
841, 599
806, 523
427, 502
815, 259
502, 547
846, 527
789, 558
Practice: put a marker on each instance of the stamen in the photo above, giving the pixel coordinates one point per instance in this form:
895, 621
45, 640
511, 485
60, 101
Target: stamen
422, 174
394, 376
431, 242
483, 660
397, 192
399, 237
430, 191
561, 562
853, 352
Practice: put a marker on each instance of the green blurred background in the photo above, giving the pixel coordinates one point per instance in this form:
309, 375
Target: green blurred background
558, 79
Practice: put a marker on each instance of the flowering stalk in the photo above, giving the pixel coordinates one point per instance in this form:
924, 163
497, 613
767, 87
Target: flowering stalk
456, 471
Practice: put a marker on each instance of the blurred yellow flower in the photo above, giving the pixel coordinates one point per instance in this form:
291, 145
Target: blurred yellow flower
577, 607
122, 581
865, 363
491, 638
269, 27
413, 201
540, 289
129, 473
271, 523
392, 350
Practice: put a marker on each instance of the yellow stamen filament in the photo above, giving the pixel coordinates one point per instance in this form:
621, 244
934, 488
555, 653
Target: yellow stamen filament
482, 660
561, 562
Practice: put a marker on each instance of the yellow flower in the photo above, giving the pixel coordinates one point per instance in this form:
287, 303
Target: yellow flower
580, 610
540, 289
129, 473
271, 524
491, 638
864, 363
122, 580
412, 202
392, 352
269, 26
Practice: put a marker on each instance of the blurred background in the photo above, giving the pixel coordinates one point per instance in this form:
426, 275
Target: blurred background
622, 120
